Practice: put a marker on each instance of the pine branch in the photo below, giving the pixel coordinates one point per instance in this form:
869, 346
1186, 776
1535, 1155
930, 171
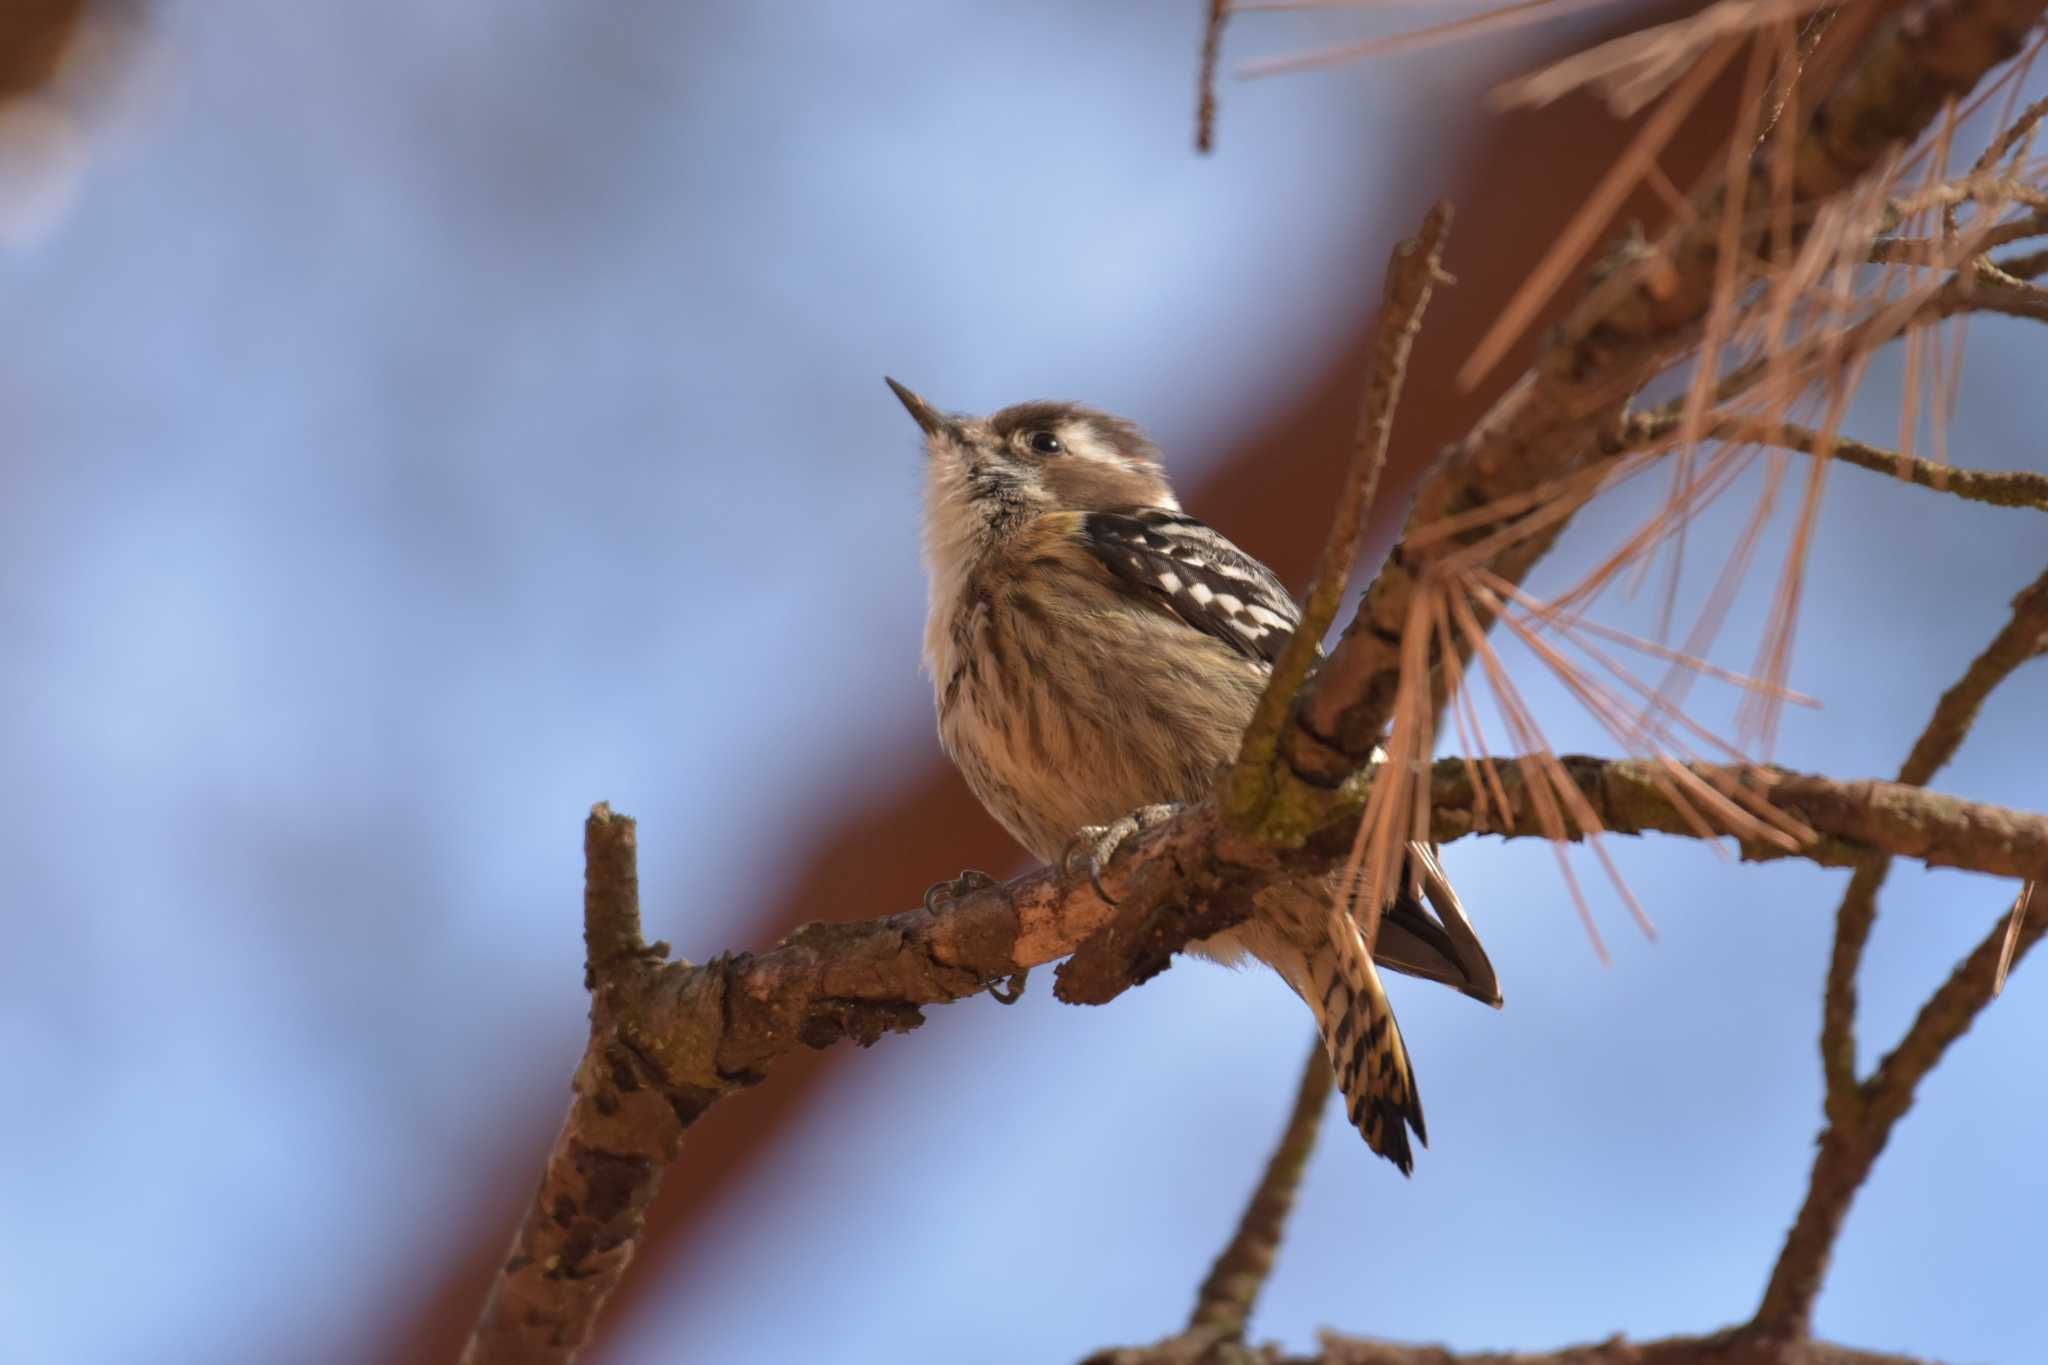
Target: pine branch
1860, 1116
1720, 1348
671, 1039
1628, 327
2000, 488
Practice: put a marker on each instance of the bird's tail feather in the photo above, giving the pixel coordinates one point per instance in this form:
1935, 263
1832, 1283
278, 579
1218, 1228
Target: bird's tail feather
1364, 1042
1439, 947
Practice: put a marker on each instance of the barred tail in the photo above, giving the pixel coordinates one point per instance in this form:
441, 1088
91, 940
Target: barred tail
1364, 1042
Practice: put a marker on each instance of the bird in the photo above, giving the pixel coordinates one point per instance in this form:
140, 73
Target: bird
1095, 655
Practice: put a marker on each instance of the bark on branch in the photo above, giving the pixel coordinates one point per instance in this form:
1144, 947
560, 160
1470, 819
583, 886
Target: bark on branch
1721, 1348
670, 1039
1998, 487
1861, 1115
623, 1130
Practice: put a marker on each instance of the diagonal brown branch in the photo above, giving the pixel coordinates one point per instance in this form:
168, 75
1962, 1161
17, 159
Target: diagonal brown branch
1849, 1148
1224, 1304
1413, 273
2023, 637
1860, 1116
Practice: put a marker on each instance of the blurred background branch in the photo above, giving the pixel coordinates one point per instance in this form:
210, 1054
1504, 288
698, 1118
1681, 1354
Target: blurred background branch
58, 62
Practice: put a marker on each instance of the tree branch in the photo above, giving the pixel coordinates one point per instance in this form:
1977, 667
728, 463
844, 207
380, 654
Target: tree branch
1850, 1147
2023, 637
1413, 272
709, 1030
1925, 251
2024, 267
623, 1130
1860, 1116
1721, 1348
1205, 82
1628, 327
2000, 488
1224, 1305
668, 1040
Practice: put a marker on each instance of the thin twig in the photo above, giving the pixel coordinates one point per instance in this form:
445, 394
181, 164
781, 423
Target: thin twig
2022, 638
1924, 251
1224, 1305
1205, 96
1413, 272
2023, 267
1857, 1126
1849, 1150
2000, 488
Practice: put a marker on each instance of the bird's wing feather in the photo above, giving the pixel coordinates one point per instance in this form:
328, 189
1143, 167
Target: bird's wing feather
1191, 571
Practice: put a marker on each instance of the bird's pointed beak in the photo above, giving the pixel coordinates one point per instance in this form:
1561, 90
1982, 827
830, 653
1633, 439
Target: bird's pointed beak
928, 417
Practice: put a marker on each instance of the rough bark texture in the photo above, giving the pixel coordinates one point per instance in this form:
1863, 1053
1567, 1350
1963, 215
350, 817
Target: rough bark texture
624, 1128
668, 1040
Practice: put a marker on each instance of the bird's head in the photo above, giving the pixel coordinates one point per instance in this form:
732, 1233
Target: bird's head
984, 475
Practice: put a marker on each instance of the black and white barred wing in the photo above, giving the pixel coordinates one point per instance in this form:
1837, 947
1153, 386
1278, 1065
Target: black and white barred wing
1194, 573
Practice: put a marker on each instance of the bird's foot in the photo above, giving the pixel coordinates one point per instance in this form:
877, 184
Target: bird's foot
1094, 845
941, 895
1012, 989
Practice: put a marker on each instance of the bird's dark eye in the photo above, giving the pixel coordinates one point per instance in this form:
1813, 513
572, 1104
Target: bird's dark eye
1045, 443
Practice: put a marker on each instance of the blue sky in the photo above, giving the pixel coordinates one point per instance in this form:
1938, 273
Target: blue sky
429, 420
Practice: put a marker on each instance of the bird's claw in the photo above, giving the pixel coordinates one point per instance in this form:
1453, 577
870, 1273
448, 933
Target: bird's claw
939, 895
1012, 990
1094, 845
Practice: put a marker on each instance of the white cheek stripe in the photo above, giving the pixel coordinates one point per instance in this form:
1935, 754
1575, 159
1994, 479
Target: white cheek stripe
1079, 440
